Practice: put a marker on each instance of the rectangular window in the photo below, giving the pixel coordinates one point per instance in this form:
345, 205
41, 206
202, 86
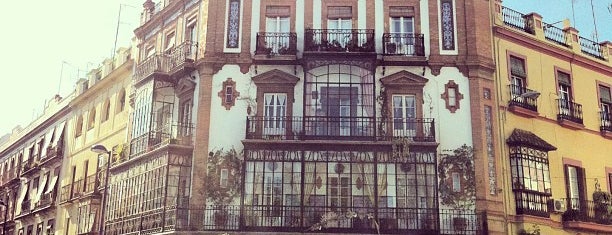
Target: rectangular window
339, 194
51, 227
191, 31
456, 182
224, 178
39, 228
518, 76
605, 101
402, 36
275, 107
574, 178
170, 41
229, 94
404, 113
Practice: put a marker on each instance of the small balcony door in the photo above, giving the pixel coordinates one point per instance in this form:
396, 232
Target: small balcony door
275, 109
402, 34
605, 101
404, 114
339, 31
277, 28
341, 108
574, 177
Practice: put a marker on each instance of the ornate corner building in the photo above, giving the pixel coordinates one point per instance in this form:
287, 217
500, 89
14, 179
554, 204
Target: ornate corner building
555, 142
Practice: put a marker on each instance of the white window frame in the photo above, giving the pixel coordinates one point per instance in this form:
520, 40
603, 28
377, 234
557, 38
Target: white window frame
407, 129
275, 114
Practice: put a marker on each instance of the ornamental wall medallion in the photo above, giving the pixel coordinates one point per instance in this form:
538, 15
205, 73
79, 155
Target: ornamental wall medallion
452, 96
228, 94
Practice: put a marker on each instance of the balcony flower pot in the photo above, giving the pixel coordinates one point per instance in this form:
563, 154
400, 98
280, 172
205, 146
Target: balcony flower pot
220, 217
459, 223
391, 48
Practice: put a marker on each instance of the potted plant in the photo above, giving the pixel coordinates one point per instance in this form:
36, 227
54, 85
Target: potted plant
601, 207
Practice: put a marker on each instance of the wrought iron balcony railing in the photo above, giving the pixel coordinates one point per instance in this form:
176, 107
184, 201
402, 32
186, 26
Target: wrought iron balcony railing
90, 184
270, 43
167, 62
177, 133
569, 110
554, 34
591, 48
339, 40
77, 189
65, 193
46, 200
408, 44
362, 219
587, 211
523, 97
26, 207
340, 128
516, 20
606, 121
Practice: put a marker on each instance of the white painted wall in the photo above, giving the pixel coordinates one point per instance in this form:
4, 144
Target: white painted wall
256, 13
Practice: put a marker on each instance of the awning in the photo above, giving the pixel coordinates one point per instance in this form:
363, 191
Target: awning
41, 187
527, 138
51, 185
22, 194
59, 132
48, 139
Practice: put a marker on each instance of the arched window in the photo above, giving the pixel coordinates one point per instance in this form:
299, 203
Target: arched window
120, 101
78, 127
105, 111
92, 119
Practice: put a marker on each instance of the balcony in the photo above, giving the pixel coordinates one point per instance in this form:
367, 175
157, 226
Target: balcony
516, 20
65, 193
555, 35
11, 175
363, 220
174, 63
90, 185
570, 114
275, 46
26, 207
340, 128
523, 101
46, 201
29, 166
170, 134
587, 215
77, 189
591, 48
403, 44
339, 40
606, 124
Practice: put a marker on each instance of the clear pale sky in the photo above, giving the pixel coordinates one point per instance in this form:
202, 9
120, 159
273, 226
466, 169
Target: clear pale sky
39, 34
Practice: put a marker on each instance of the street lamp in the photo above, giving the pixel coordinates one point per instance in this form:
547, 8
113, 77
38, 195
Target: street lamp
100, 149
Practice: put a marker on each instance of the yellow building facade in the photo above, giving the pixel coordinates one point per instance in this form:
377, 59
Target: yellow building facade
100, 114
555, 132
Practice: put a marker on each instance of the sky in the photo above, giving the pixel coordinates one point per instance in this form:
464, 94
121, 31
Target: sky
40, 36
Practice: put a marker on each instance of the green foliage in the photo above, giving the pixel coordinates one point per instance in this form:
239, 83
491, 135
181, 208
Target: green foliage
535, 230
602, 207
230, 160
462, 162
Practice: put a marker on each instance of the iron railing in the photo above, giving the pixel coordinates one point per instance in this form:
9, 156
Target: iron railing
176, 133
26, 207
518, 98
569, 110
363, 219
587, 211
65, 193
554, 34
168, 62
347, 128
46, 200
532, 203
403, 44
150, 66
516, 20
339, 40
606, 121
591, 48
77, 189
271, 43
90, 184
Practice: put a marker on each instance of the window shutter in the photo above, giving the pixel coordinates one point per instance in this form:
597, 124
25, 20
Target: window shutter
278, 11
563, 78
604, 94
517, 67
335, 12
404, 11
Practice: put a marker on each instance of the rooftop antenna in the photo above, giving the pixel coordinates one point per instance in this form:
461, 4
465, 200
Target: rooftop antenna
594, 22
573, 14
